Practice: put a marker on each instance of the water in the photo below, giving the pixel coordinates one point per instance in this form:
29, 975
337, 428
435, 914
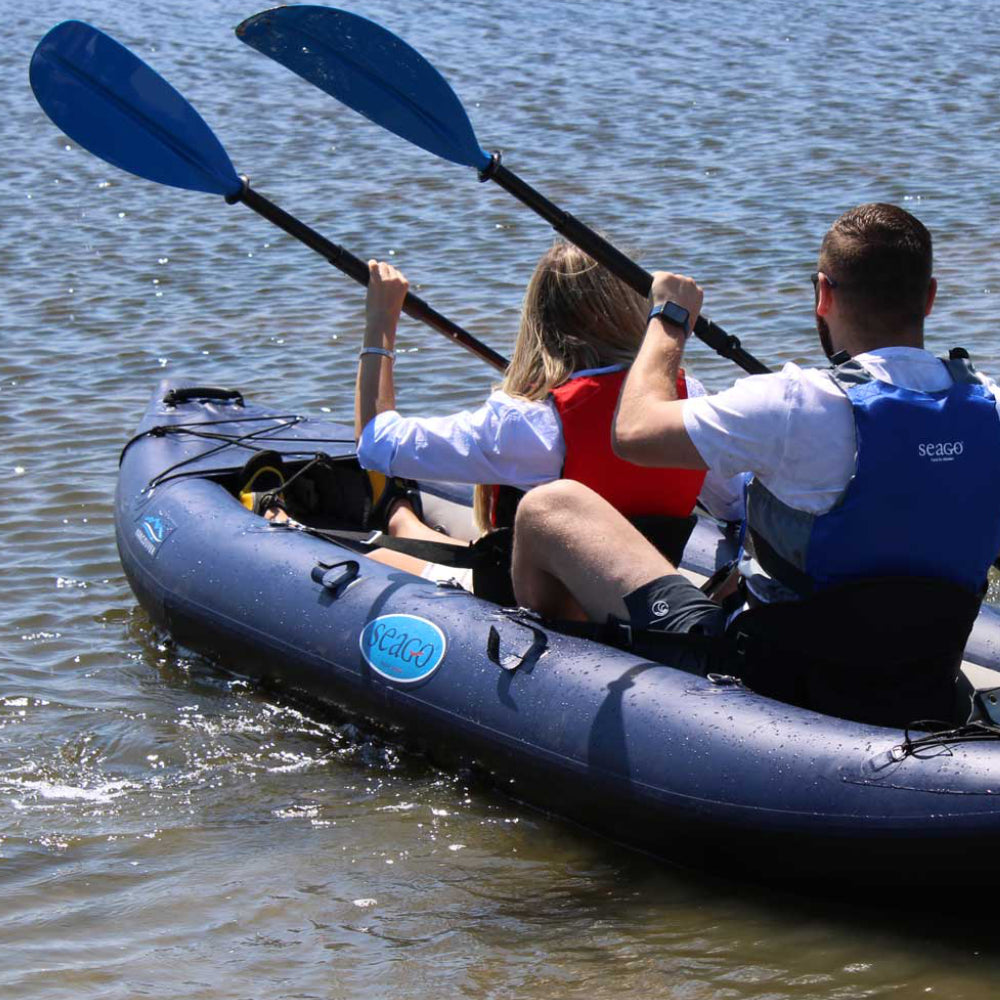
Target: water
167, 832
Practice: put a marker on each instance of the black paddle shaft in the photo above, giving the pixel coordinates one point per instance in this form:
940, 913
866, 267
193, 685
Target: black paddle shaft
615, 261
357, 269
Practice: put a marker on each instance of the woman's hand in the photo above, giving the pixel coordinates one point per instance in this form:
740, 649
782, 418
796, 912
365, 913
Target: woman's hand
387, 288
375, 390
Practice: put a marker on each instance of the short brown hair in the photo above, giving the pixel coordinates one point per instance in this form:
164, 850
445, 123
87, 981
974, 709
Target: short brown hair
881, 258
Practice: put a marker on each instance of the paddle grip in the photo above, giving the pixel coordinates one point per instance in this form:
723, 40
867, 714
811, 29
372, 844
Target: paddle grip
728, 346
623, 267
357, 269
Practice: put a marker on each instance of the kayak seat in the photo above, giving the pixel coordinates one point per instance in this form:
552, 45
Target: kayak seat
883, 651
321, 492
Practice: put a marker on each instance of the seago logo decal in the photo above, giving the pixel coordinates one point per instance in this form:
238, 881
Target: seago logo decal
941, 451
153, 530
403, 648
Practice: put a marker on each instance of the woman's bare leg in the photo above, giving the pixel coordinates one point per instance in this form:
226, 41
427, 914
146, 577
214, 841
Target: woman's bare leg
403, 523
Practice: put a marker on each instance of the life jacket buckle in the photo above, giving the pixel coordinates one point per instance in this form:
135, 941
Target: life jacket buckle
617, 633
988, 701
741, 644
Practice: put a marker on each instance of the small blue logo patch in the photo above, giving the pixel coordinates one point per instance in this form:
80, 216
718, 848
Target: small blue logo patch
152, 531
403, 648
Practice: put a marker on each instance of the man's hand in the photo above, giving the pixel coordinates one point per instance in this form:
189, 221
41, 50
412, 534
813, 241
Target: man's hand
677, 288
649, 423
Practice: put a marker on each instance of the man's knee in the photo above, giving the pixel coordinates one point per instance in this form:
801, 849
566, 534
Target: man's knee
561, 500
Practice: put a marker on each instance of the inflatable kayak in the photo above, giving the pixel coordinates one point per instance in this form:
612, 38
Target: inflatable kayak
700, 771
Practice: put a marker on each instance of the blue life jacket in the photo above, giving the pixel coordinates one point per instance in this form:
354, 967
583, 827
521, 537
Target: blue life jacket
924, 500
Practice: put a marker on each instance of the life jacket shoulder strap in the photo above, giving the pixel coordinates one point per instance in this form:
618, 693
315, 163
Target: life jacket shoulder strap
960, 367
849, 374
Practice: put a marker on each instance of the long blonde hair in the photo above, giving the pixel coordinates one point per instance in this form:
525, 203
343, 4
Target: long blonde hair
576, 315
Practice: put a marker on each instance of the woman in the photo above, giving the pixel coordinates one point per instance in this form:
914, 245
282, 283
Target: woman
550, 418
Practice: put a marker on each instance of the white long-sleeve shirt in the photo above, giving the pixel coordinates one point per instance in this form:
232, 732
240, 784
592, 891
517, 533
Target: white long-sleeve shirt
509, 441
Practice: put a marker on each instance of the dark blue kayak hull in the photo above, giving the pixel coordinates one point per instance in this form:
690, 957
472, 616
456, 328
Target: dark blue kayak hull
699, 771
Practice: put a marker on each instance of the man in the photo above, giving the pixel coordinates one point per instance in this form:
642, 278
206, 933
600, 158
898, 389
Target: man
873, 513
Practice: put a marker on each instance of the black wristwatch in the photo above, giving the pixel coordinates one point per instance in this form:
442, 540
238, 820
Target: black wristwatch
672, 313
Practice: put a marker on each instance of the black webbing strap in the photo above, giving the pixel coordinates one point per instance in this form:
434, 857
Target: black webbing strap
483, 552
673, 649
719, 577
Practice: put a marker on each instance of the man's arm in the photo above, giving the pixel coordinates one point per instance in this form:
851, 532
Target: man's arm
648, 428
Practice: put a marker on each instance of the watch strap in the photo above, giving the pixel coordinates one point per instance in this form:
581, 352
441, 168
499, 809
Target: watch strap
672, 313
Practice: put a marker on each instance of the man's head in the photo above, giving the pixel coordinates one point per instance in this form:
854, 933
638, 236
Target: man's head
876, 286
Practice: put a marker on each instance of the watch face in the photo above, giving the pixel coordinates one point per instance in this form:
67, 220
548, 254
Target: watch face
675, 314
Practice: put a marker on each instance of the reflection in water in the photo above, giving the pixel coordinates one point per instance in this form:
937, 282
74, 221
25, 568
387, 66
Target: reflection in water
168, 831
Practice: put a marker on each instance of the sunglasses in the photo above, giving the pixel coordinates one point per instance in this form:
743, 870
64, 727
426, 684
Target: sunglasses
814, 278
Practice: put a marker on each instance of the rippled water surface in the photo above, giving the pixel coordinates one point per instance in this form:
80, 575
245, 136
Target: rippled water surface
166, 832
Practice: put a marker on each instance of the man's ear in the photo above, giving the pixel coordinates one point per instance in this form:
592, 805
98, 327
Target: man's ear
824, 298
931, 295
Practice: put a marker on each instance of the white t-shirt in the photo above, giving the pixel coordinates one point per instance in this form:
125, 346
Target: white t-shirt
508, 440
795, 428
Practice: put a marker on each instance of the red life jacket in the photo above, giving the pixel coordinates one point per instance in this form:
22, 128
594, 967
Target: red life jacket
586, 406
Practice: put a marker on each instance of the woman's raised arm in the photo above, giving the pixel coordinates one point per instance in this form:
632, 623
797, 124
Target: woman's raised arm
375, 391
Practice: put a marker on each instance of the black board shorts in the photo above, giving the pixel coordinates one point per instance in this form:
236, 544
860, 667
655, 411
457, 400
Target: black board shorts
674, 604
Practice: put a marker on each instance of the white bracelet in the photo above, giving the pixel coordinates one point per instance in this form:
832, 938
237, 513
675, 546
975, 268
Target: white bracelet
377, 350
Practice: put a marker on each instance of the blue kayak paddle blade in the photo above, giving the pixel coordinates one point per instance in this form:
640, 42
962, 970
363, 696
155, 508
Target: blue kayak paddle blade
369, 69
110, 102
